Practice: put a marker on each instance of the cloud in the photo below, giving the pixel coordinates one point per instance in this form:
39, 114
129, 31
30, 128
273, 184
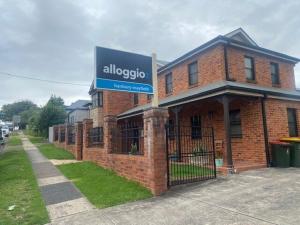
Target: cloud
55, 39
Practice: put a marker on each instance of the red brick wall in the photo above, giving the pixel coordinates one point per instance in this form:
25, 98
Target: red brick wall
210, 69
248, 148
262, 69
148, 169
277, 122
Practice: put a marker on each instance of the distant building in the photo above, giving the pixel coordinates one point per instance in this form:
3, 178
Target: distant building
78, 111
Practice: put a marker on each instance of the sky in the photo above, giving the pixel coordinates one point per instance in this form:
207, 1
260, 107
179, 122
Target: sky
55, 39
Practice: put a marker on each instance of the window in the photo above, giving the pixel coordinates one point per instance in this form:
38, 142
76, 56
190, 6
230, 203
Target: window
171, 129
193, 73
196, 127
135, 99
292, 122
97, 99
249, 68
149, 97
169, 83
235, 124
275, 73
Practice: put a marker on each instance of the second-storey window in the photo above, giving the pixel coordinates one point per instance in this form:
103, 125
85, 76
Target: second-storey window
193, 73
97, 99
249, 68
235, 124
292, 122
274, 73
169, 83
149, 97
135, 99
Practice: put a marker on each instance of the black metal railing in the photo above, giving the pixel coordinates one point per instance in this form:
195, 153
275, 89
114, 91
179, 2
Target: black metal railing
62, 136
128, 139
96, 136
71, 135
190, 154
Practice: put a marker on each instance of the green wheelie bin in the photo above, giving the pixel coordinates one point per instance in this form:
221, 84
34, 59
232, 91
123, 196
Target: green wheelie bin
280, 154
295, 150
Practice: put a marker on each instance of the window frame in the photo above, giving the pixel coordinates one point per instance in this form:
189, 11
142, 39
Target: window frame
295, 125
169, 83
97, 99
235, 123
252, 69
190, 75
275, 74
196, 130
135, 98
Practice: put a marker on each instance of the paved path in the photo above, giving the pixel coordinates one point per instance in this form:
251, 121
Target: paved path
267, 196
61, 197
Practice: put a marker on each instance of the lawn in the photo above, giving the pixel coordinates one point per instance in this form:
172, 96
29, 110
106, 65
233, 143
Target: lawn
18, 187
103, 187
52, 152
189, 170
36, 140
14, 140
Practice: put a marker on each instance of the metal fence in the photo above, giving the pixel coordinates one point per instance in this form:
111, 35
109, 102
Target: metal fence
71, 134
190, 154
62, 136
96, 136
128, 139
56, 135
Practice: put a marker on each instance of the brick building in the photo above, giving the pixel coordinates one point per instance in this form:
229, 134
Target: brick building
245, 92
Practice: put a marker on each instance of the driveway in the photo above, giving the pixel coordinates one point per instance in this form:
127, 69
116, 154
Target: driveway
266, 196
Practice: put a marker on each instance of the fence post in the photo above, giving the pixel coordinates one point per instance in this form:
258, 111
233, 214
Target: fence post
87, 124
110, 123
66, 135
78, 140
155, 148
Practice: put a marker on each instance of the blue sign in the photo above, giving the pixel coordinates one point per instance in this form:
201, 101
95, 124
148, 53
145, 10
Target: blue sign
123, 71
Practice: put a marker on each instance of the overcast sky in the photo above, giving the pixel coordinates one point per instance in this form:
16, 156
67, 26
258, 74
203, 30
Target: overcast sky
55, 39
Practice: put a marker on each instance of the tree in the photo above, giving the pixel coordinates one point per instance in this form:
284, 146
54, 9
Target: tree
51, 114
9, 110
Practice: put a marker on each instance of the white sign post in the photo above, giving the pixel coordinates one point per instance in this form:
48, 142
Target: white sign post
154, 80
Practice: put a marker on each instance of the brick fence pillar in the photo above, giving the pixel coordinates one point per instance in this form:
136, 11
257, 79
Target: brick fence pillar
66, 135
78, 140
55, 130
110, 123
155, 148
87, 124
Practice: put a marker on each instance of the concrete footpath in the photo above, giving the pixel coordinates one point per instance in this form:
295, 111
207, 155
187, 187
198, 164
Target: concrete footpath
61, 197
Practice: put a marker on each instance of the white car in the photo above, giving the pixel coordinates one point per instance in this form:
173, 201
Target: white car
5, 131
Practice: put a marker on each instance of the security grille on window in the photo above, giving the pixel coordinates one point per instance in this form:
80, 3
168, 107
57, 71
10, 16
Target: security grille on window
235, 124
193, 73
169, 83
249, 68
275, 73
97, 99
196, 127
96, 136
292, 122
135, 99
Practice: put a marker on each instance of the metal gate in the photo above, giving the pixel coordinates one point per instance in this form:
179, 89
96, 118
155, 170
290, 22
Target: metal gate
190, 154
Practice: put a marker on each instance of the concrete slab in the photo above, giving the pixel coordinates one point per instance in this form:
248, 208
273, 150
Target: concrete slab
63, 161
68, 208
51, 180
45, 169
60, 192
267, 196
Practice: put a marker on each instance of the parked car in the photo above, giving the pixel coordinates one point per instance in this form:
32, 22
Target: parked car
1, 137
5, 131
